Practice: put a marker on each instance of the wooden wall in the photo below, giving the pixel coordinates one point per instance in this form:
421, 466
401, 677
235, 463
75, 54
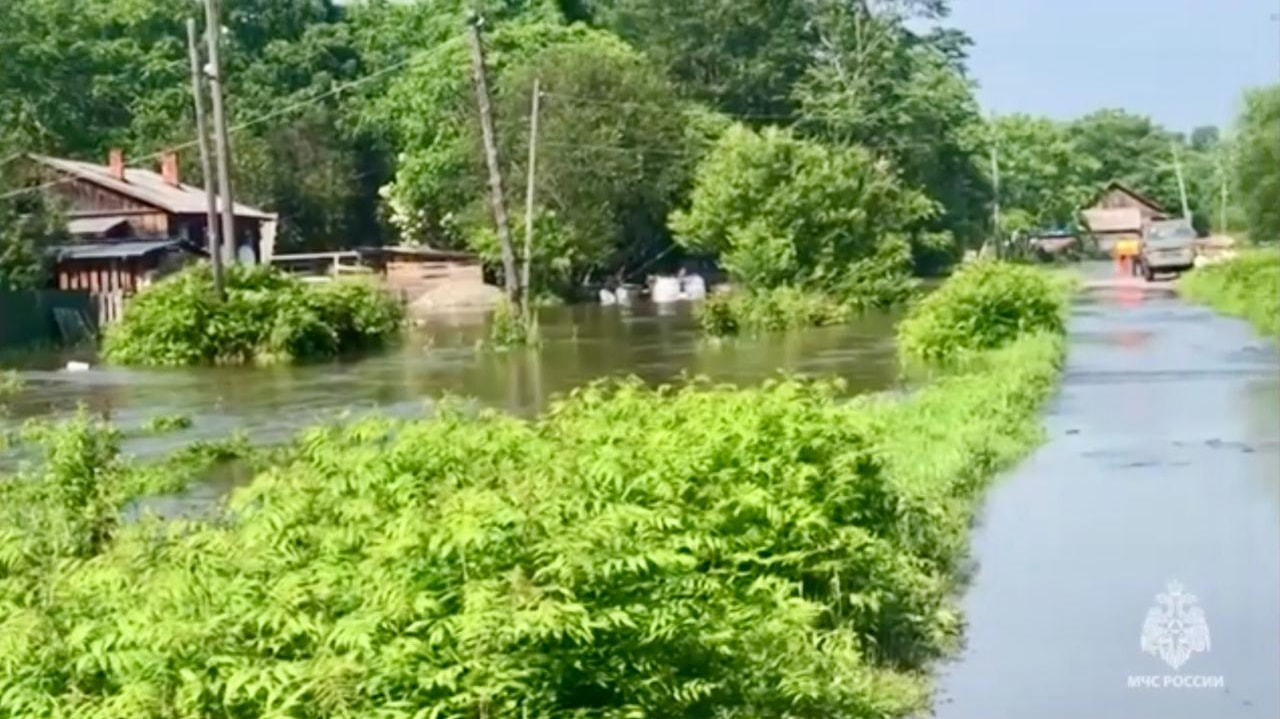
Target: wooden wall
105, 275
87, 199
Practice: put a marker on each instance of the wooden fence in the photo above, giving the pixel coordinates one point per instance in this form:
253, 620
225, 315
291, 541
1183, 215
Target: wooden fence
110, 307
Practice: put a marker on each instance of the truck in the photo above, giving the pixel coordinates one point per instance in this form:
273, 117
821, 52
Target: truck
1168, 247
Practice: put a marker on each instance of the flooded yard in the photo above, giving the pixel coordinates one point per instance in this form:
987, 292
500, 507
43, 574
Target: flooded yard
580, 344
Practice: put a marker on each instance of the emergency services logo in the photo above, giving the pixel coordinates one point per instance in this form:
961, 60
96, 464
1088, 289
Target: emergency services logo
1175, 627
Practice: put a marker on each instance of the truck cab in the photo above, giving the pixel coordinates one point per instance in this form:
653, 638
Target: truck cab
1168, 247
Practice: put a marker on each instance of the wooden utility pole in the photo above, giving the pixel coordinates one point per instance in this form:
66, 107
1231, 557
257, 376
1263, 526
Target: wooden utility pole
528, 193
1222, 177
222, 143
1182, 184
995, 183
206, 171
497, 196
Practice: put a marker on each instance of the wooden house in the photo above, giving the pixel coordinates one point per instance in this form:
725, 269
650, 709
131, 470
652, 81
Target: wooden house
130, 226
113, 202
1120, 213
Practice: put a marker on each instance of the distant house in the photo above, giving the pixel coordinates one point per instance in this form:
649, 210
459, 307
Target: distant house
129, 226
114, 202
1120, 213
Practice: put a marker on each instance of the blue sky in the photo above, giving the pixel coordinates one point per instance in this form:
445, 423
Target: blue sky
1184, 62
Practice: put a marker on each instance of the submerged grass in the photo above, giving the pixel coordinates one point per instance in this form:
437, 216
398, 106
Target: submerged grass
1246, 286
686, 551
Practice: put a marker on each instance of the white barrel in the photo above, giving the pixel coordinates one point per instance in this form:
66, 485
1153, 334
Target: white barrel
665, 290
608, 298
695, 288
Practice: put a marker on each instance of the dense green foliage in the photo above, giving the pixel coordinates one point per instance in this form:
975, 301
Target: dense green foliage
29, 226
780, 210
1257, 164
266, 317
636, 94
1247, 286
984, 306
692, 551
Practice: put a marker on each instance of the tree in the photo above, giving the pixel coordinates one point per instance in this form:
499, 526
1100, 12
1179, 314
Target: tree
30, 224
780, 210
613, 149
741, 56
1257, 163
1044, 178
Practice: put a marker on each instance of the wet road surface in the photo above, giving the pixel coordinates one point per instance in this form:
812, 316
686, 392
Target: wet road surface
1162, 465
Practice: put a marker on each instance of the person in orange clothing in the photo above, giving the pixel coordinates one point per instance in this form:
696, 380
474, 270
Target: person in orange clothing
1126, 253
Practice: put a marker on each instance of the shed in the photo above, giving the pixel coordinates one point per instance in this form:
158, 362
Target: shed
1120, 213
125, 267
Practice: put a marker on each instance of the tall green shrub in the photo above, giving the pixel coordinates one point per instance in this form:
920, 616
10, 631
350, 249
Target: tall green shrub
267, 316
780, 210
984, 306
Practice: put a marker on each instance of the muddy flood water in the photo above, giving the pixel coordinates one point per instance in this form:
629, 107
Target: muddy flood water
1162, 466
580, 344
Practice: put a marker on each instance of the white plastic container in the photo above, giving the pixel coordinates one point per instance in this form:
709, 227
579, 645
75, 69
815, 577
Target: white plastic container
665, 290
694, 287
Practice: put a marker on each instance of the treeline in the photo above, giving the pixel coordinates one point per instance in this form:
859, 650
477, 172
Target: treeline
358, 125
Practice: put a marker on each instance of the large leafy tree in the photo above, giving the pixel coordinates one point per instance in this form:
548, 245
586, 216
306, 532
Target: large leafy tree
1257, 163
781, 210
613, 148
1044, 179
741, 56
877, 83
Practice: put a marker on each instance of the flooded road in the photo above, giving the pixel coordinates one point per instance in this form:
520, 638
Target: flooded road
581, 344
1162, 466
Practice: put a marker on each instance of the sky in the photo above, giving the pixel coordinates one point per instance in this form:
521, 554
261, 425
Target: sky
1184, 62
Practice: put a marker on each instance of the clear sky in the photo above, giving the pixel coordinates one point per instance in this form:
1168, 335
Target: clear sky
1184, 62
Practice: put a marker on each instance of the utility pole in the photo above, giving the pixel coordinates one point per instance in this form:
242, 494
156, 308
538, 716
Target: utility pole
529, 189
202, 140
1182, 184
1222, 177
213, 31
497, 196
995, 182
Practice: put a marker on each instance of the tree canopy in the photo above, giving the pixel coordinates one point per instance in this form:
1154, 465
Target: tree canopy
357, 122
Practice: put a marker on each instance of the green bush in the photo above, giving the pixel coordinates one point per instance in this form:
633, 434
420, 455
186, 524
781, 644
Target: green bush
775, 310
1246, 286
983, 306
267, 316
780, 210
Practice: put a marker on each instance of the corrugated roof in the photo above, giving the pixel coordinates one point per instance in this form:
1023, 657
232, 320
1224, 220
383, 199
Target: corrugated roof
146, 186
1125, 219
95, 225
113, 250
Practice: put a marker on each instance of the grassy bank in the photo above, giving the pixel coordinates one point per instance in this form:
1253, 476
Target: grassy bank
267, 317
676, 552
789, 308
1247, 286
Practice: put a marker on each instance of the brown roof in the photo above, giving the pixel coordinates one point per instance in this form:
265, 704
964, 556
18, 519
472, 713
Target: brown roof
1125, 219
147, 187
1116, 185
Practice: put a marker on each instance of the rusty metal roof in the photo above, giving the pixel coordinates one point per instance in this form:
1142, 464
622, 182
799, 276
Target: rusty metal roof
147, 187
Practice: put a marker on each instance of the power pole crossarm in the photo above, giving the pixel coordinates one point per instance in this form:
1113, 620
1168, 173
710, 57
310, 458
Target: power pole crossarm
497, 195
202, 141
213, 32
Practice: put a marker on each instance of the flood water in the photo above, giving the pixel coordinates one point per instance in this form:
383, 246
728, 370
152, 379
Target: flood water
580, 344
1162, 465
